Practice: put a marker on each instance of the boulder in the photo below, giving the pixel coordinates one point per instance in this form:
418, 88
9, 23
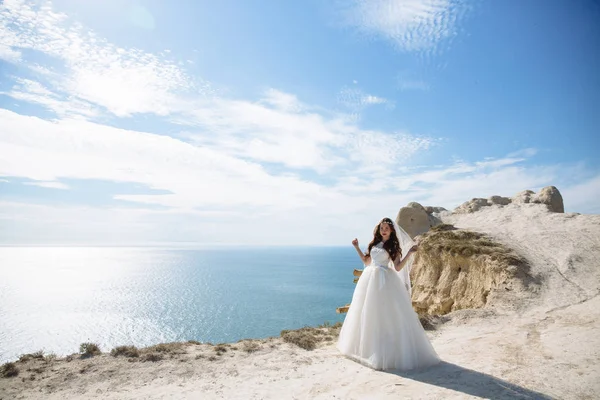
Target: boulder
523, 197
414, 204
431, 210
413, 220
471, 206
499, 200
551, 197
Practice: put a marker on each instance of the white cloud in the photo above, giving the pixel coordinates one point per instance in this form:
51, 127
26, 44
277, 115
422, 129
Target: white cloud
34, 92
412, 25
276, 129
9, 54
282, 101
215, 197
48, 184
197, 176
372, 149
369, 99
124, 81
280, 129
209, 192
355, 101
333, 220
529, 152
55, 224
583, 196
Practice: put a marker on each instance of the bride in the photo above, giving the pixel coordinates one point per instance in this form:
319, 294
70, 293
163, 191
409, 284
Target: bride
381, 329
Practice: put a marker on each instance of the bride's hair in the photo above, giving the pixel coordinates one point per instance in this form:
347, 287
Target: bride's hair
392, 245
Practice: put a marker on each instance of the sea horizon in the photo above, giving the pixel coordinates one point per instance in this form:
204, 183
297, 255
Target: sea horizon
173, 245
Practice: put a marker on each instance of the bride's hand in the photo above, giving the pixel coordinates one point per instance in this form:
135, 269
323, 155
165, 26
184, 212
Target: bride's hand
414, 248
355, 242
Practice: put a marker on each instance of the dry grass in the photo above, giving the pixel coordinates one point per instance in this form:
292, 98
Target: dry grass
38, 355
9, 370
442, 227
221, 348
447, 239
250, 346
304, 338
309, 338
172, 348
126, 351
89, 350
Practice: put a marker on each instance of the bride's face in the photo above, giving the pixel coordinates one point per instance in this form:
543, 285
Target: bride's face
385, 230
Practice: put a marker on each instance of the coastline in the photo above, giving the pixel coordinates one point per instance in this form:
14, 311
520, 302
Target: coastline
540, 354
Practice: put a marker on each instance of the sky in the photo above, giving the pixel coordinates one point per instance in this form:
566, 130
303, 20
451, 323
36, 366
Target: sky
255, 122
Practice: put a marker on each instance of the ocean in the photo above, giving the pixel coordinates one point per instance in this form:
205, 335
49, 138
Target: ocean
54, 298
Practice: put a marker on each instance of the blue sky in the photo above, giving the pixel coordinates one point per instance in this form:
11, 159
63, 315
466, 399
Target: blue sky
271, 122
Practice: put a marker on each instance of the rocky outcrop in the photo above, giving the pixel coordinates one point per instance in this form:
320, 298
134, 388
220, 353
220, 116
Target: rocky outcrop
499, 200
523, 197
472, 205
415, 205
550, 196
457, 269
416, 219
437, 210
433, 220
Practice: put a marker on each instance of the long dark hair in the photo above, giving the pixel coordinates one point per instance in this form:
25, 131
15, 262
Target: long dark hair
392, 245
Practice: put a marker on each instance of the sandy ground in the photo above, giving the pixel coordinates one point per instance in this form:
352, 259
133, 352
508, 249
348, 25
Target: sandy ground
522, 346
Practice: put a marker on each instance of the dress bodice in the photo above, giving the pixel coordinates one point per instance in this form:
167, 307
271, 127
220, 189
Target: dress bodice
379, 256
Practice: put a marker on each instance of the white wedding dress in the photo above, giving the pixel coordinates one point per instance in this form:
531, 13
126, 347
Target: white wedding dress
381, 329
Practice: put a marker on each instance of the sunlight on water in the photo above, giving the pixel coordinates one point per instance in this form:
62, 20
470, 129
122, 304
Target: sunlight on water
54, 298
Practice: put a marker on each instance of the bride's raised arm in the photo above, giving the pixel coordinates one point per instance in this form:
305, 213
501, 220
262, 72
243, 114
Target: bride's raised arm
365, 259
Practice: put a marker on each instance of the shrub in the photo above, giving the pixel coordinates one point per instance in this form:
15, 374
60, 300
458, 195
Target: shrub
89, 349
250, 346
174, 347
304, 338
221, 348
39, 355
127, 351
9, 369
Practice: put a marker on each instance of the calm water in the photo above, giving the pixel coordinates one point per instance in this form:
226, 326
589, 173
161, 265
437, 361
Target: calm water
56, 298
